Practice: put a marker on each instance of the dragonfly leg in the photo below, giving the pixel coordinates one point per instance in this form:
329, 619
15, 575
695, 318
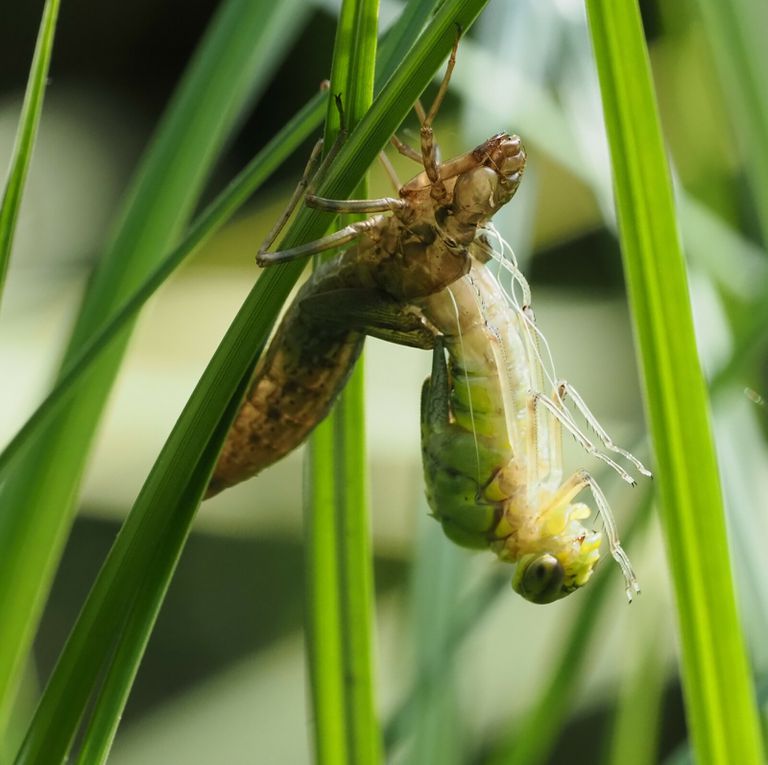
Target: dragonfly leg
547, 464
372, 313
580, 480
330, 242
382, 204
532, 444
298, 192
557, 409
405, 149
566, 389
429, 153
389, 169
313, 173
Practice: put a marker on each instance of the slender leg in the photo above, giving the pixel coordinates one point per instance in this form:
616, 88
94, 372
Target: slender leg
532, 446
311, 176
418, 107
549, 464
516, 276
581, 480
330, 242
405, 149
558, 411
428, 147
390, 170
309, 172
383, 204
566, 389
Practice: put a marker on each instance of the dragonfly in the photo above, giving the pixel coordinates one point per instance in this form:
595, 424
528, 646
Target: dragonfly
493, 417
417, 272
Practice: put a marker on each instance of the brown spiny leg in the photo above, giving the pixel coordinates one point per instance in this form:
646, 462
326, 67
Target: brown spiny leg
429, 154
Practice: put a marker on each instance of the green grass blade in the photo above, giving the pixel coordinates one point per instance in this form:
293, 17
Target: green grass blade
403, 33
354, 67
639, 708
295, 132
340, 638
531, 741
736, 30
466, 618
25, 135
356, 579
116, 620
38, 496
91, 645
432, 729
325, 643
718, 692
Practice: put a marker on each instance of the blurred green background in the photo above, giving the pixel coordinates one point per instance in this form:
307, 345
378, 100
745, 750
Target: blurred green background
223, 676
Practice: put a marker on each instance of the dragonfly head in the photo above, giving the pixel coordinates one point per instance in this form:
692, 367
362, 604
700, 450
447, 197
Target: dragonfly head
561, 564
481, 190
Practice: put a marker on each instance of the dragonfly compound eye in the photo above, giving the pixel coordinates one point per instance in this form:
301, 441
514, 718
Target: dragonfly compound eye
539, 578
475, 194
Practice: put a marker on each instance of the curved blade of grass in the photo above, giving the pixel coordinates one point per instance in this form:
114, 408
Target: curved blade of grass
338, 556
532, 740
736, 30
718, 692
432, 729
749, 347
123, 604
639, 708
38, 496
91, 647
325, 650
350, 161
466, 617
214, 216
226, 204
25, 135
401, 36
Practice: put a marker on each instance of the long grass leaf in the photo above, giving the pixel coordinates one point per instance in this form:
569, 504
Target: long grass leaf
639, 707
404, 32
38, 496
92, 643
325, 643
114, 625
344, 468
25, 135
356, 580
295, 132
719, 697
736, 30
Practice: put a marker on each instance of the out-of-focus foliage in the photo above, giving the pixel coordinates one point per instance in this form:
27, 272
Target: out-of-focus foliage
223, 677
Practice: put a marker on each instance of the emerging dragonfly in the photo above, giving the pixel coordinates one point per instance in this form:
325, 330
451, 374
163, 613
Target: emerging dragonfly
491, 435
